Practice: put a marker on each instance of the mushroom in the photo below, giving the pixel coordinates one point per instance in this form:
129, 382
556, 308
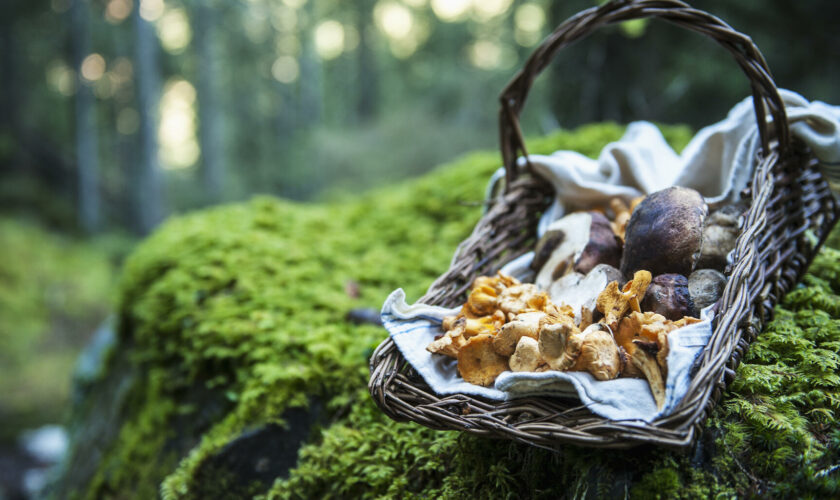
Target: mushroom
622, 213
560, 345
581, 292
482, 301
705, 287
615, 303
668, 295
646, 363
498, 282
523, 325
478, 363
448, 344
526, 357
643, 336
664, 234
719, 237
599, 353
518, 298
577, 242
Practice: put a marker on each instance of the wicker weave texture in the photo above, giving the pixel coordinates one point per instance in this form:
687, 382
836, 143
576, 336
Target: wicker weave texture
791, 208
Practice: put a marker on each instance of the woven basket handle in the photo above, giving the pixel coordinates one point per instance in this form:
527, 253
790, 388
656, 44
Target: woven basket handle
765, 94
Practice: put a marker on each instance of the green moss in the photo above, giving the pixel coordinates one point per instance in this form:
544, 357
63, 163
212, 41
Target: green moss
247, 303
53, 292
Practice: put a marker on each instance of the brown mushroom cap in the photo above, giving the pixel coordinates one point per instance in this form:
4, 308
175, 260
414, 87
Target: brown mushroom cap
665, 233
478, 363
668, 295
604, 247
577, 242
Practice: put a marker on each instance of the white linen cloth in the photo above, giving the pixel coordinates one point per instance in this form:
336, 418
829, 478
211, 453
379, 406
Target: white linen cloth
718, 162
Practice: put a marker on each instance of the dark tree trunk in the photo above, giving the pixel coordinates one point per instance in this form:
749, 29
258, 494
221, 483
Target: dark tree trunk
367, 104
210, 137
86, 133
309, 85
147, 189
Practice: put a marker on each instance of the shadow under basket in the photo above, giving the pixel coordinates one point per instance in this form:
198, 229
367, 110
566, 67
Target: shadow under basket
792, 209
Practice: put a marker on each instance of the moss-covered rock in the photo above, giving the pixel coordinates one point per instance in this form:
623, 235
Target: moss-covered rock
232, 321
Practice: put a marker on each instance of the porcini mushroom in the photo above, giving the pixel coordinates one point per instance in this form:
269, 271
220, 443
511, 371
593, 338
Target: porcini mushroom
665, 232
581, 292
576, 243
668, 295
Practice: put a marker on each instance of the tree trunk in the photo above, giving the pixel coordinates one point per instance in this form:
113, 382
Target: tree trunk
86, 132
368, 78
147, 190
210, 137
309, 84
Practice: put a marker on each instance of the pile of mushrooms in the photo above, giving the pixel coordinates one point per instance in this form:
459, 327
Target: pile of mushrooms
610, 285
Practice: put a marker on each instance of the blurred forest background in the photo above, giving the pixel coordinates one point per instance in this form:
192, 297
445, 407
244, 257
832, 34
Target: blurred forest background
115, 114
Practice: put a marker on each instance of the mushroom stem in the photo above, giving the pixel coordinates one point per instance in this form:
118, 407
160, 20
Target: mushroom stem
648, 366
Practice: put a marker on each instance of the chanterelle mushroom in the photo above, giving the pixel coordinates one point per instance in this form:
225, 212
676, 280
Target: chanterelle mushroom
598, 353
523, 325
517, 298
478, 363
615, 303
643, 336
526, 357
560, 345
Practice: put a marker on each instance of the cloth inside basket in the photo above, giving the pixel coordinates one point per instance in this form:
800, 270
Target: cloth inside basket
718, 162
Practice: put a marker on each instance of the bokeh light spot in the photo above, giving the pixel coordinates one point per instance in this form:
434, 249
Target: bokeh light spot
117, 10
174, 31
485, 54
488, 9
93, 67
329, 39
61, 78
151, 10
393, 19
285, 69
177, 132
529, 17
451, 10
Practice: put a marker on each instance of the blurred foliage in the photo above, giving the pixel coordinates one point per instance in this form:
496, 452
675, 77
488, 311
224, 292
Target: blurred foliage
54, 291
315, 98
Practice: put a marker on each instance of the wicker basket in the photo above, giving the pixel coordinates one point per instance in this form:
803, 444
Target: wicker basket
791, 212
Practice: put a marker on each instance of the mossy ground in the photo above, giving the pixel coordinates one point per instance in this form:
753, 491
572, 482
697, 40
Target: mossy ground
54, 290
248, 301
